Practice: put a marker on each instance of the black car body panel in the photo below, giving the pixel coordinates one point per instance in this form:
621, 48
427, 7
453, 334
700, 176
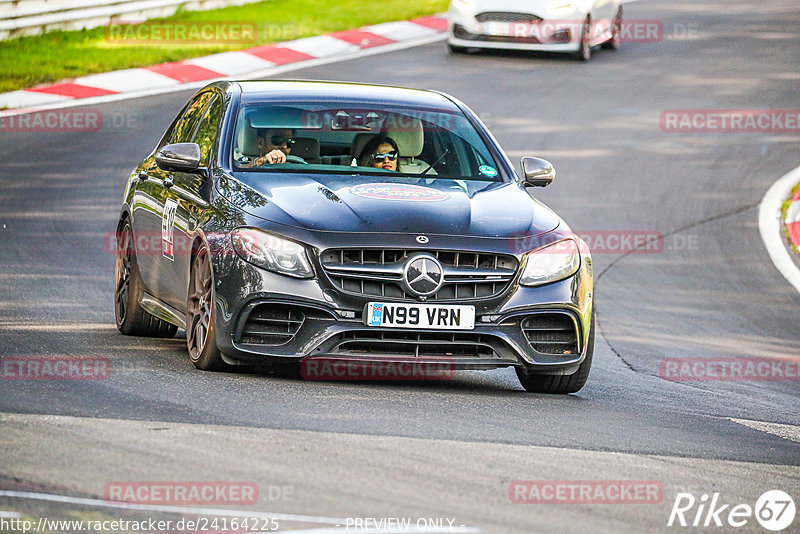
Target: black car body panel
325, 202
490, 222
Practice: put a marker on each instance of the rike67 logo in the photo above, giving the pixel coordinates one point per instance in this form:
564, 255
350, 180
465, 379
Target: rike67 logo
774, 511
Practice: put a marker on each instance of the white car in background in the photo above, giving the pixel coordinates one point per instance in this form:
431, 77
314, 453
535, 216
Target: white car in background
541, 25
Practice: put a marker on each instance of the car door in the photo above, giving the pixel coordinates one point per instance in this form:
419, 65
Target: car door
147, 209
187, 200
154, 205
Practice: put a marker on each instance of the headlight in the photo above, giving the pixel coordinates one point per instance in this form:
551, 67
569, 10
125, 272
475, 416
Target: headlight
560, 6
272, 253
465, 4
552, 263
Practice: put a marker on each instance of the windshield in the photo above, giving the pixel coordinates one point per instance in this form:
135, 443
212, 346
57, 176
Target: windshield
358, 139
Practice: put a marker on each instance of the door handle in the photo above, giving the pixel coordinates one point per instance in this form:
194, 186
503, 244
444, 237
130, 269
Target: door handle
169, 181
143, 176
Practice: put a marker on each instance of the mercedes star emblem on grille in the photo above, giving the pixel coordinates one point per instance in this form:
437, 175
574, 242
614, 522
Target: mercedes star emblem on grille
423, 275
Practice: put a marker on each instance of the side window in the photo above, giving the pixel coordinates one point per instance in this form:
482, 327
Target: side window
207, 131
184, 132
170, 133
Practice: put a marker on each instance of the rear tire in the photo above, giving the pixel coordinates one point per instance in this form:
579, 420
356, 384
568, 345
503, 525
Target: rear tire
561, 384
131, 318
201, 337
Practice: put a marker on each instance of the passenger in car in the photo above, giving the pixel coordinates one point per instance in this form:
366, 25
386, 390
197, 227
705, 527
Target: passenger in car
381, 153
274, 145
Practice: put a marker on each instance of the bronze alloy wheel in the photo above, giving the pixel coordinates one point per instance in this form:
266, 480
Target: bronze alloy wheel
200, 333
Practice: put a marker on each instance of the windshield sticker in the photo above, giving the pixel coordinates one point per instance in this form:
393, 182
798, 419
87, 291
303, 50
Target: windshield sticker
409, 193
486, 170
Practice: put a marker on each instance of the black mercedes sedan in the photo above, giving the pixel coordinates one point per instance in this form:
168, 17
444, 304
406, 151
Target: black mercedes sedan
285, 222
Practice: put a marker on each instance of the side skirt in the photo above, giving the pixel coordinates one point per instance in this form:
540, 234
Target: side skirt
166, 313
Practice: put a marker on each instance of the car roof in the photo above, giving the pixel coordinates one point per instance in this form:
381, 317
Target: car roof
380, 95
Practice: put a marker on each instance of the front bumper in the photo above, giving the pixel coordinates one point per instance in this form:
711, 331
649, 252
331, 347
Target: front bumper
312, 318
548, 34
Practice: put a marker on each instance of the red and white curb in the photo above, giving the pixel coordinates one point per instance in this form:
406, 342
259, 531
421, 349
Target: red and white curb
770, 224
258, 61
792, 220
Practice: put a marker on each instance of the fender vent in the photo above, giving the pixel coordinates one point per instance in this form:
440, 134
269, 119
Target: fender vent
551, 333
272, 324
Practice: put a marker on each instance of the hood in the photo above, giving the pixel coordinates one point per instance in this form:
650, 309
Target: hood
374, 204
541, 8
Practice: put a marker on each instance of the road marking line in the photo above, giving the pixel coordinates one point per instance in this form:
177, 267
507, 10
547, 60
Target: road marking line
401, 30
71, 90
31, 99
790, 432
231, 63
120, 80
10, 515
321, 46
168, 509
769, 224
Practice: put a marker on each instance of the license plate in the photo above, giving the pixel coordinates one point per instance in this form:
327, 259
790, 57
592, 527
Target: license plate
502, 29
515, 29
428, 316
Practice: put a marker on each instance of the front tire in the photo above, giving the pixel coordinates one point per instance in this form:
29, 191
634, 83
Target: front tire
561, 384
201, 338
131, 318
584, 52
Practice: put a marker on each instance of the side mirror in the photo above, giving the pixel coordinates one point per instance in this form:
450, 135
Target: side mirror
538, 172
180, 157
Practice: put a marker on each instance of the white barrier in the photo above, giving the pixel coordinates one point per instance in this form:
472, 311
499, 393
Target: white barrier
30, 17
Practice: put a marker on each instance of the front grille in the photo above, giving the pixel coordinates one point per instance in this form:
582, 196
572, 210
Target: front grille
272, 324
379, 273
505, 16
459, 32
415, 344
551, 333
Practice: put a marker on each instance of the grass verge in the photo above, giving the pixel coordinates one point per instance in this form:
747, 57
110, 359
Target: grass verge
58, 55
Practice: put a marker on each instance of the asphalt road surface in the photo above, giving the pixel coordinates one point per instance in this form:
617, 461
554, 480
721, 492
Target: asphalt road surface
447, 449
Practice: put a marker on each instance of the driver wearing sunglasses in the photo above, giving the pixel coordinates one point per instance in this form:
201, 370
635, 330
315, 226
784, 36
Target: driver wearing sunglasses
381, 153
273, 146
